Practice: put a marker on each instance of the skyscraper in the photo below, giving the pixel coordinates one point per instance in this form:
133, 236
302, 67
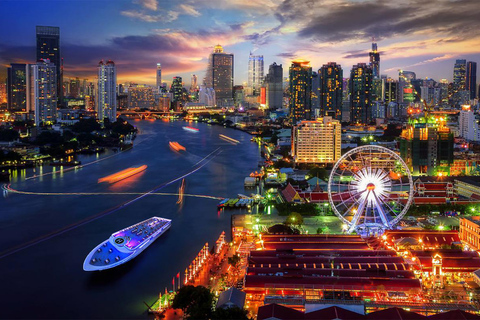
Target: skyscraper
177, 89
194, 83
274, 85
331, 90
391, 90
471, 79
42, 91
159, 75
107, 91
360, 93
375, 61
255, 73
318, 141
315, 95
17, 87
48, 47
220, 76
406, 91
300, 90
459, 71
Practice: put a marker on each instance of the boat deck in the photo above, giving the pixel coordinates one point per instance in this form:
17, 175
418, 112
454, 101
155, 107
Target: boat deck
136, 234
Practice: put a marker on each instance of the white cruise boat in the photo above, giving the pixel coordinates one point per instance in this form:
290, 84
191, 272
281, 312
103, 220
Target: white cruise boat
125, 244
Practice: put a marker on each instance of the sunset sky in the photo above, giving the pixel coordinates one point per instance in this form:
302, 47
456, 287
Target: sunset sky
417, 35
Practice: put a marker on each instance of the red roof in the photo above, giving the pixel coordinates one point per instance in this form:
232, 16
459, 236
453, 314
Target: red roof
278, 312
332, 313
394, 314
335, 283
454, 315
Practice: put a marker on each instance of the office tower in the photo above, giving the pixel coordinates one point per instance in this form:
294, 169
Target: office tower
48, 47
220, 76
194, 83
406, 92
140, 97
255, 73
375, 61
274, 85
107, 91
42, 91
17, 87
315, 95
317, 142
426, 144
361, 94
3, 92
468, 124
391, 91
471, 79
74, 89
159, 75
459, 71
300, 90
206, 96
331, 90
177, 89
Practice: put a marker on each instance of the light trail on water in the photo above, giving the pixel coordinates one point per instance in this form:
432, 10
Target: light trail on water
80, 223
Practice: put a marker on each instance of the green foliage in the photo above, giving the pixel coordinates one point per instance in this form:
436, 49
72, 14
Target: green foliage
234, 313
86, 126
234, 260
8, 135
196, 302
319, 172
283, 164
294, 218
48, 137
121, 127
319, 230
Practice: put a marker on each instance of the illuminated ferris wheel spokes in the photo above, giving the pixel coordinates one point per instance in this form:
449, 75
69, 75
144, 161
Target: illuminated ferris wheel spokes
370, 189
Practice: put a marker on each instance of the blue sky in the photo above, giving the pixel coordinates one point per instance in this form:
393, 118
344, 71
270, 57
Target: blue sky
425, 37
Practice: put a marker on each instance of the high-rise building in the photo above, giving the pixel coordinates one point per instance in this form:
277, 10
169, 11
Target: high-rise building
42, 91
317, 142
255, 73
274, 85
360, 94
406, 91
48, 47
459, 71
375, 61
300, 90
316, 95
159, 75
220, 76
468, 124
471, 79
426, 144
391, 91
3, 92
140, 96
194, 83
177, 89
107, 91
331, 90
17, 87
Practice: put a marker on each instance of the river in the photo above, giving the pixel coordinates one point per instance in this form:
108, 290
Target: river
44, 277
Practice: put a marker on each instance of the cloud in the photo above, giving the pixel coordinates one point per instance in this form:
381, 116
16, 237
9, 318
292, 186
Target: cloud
166, 16
148, 4
421, 63
360, 20
190, 10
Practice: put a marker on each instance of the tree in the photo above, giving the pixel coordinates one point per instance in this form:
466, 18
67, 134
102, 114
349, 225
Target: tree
319, 172
86, 126
8, 135
234, 260
234, 313
294, 218
196, 302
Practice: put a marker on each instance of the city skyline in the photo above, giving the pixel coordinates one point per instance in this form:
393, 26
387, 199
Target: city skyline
424, 38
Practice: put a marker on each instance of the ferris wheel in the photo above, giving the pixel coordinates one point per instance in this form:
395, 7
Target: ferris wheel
370, 189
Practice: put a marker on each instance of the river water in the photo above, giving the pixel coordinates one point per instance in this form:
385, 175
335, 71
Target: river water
44, 278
